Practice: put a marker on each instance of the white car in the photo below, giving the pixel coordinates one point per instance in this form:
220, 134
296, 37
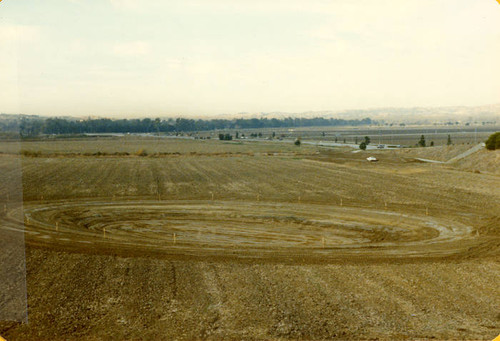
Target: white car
371, 159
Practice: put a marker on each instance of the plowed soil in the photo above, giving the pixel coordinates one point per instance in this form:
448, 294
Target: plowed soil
303, 245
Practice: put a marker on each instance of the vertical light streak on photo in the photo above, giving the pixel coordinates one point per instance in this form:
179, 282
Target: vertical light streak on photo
13, 296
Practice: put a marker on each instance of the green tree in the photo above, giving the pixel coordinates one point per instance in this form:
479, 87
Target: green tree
297, 142
493, 142
157, 123
367, 140
362, 145
421, 142
449, 140
432, 143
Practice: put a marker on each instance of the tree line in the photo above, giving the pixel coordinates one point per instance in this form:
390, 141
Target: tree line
36, 126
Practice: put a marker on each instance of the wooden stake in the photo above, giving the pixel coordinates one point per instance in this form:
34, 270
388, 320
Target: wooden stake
212, 195
385, 204
174, 238
5, 208
299, 199
104, 232
57, 226
323, 241
340, 201
427, 211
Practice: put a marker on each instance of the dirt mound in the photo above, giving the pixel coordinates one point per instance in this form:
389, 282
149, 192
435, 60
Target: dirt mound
484, 161
439, 153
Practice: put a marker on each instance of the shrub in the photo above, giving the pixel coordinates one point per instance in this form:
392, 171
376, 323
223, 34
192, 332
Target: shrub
31, 153
362, 145
493, 142
141, 152
225, 137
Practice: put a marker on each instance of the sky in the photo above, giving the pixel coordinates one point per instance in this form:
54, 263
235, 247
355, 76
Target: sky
130, 58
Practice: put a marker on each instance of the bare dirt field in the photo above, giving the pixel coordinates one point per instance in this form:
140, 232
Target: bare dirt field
211, 240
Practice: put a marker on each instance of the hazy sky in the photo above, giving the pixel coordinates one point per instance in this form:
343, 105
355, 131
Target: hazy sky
194, 57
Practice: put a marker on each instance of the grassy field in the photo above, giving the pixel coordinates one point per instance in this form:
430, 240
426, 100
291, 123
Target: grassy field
150, 145
407, 136
256, 240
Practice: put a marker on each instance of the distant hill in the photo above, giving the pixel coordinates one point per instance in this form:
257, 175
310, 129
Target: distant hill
415, 115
